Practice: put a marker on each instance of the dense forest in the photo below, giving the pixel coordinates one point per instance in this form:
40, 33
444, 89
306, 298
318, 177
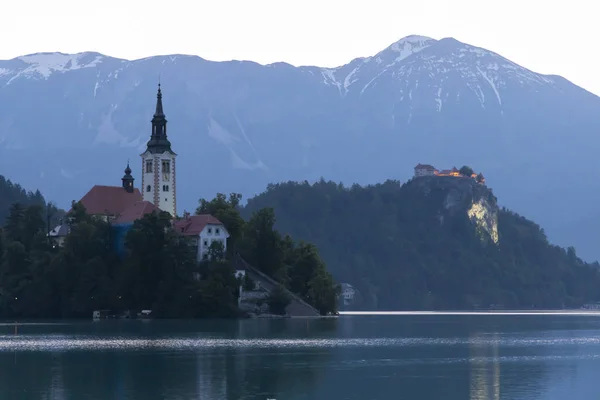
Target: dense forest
11, 193
157, 271
403, 247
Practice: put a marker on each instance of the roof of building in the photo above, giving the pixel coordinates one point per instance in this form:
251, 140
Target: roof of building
194, 224
59, 231
425, 166
136, 211
111, 200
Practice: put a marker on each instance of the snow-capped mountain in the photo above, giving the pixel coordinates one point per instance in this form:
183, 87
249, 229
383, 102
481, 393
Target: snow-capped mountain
68, 121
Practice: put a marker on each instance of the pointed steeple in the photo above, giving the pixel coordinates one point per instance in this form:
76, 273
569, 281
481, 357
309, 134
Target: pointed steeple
128, 179
158, 142
159, 108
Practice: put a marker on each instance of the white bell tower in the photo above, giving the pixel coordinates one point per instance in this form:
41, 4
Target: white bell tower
158, 164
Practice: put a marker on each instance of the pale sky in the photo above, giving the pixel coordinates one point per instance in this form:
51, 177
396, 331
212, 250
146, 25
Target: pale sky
547, 36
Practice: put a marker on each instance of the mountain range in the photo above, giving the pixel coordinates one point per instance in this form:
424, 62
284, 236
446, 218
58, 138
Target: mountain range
69, 121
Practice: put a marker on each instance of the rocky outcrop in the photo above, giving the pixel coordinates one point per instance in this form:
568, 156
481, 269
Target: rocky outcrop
463, 195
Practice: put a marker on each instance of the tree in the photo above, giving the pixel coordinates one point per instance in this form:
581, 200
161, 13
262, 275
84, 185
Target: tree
262, 243
323, 294
305, 265
278, 300
148, 260
77, 214
217, 293
14, 278
216, 251
15, 223
248, 284
466, 171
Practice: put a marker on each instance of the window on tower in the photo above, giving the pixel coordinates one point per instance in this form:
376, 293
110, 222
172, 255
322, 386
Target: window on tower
166, 170
148, 188
148, 166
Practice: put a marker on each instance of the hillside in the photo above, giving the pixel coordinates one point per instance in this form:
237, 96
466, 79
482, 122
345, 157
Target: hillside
11, 193
432, 243
73, 120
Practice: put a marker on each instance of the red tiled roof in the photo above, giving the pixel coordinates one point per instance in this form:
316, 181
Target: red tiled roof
111, 200
136, 211
193, 225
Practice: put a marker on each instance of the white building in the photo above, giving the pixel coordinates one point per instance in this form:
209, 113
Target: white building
158, 164
204, 231
425, 170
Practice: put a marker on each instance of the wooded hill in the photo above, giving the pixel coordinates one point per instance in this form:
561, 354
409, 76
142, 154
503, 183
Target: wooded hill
404, 249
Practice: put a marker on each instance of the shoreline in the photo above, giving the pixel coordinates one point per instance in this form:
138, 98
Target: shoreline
472, 312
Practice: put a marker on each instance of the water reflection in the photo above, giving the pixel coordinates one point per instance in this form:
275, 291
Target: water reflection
57, 387
484, 367
352, 358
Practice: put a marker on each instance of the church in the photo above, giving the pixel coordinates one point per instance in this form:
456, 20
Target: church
123, 205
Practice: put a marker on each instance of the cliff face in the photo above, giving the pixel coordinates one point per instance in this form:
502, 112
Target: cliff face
454, 197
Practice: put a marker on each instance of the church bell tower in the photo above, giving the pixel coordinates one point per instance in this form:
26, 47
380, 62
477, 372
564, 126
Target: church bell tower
128, 179
158, 164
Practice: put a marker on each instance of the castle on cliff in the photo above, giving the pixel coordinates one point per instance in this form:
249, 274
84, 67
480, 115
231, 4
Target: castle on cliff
430, 170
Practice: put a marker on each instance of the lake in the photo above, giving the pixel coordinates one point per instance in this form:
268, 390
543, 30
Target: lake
354, 357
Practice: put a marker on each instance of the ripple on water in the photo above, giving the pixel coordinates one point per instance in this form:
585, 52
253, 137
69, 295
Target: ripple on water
71, 342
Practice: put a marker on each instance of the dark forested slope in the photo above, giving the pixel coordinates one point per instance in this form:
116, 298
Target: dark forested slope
11, 193
432, 243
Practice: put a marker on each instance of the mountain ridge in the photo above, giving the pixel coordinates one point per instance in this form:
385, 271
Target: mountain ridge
447, 103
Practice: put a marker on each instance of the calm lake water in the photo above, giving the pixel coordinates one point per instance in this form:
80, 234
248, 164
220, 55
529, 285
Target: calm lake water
353, 357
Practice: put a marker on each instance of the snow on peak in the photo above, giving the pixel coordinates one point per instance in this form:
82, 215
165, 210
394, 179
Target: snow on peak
414, 39
409, 45
46, 63
42, 65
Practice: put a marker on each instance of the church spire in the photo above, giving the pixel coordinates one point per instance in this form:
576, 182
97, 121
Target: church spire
158, 142
128, 179
159, 108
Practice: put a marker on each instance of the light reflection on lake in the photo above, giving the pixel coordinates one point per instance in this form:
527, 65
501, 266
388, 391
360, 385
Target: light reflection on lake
451, 356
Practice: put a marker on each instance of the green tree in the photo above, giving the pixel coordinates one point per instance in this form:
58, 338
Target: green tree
15, 277
466, 170
217, 293
278, 300
248, 284
216, 251
14, 227
262, 243
323, 293
148, 244
305, 265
